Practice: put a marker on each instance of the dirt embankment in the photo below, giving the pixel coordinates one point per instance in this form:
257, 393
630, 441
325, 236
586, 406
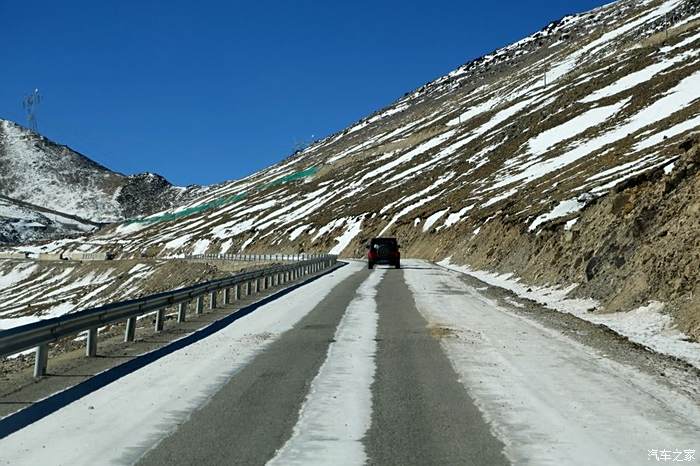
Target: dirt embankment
640, 242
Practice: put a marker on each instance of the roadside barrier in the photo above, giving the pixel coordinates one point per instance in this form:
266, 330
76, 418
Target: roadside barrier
39, 334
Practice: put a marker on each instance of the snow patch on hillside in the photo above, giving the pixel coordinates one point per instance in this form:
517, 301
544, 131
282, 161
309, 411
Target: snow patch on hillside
562, 209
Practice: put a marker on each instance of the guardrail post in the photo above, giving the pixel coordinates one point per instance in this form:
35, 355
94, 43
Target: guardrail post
41, 359
212, 300
182, 312
227, 296
237, 292
130, 332
160, 319
200, 304
91, 347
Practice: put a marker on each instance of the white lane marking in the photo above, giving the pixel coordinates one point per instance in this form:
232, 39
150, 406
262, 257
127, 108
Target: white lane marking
550, 399
120, 422
337, 411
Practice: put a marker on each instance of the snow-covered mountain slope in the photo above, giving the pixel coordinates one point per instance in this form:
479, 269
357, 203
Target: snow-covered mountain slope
568, 156
533, 131
41, 172
36, 290
21, 222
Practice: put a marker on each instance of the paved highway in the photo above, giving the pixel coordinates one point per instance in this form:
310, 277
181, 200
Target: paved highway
411, 366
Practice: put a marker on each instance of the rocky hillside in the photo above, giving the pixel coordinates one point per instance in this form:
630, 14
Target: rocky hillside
39, 177
570, 156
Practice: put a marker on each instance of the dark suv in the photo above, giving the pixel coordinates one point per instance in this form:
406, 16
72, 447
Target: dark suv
383, 251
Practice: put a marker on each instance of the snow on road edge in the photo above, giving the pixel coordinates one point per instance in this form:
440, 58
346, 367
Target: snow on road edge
137, 419
645, 325
548, 398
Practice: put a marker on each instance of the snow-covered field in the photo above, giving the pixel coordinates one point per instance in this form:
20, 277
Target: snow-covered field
32, 291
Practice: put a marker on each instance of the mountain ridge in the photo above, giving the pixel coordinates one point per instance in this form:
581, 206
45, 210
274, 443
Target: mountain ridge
568, 157
38, 172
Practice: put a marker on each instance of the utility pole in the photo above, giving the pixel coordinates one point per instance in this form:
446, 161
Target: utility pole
30, 104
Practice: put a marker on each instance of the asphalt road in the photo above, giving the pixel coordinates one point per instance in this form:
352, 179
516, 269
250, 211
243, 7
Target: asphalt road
385, 367
253, 415
420, 413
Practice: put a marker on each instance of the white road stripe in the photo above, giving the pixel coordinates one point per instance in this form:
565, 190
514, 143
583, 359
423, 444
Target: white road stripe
338, 409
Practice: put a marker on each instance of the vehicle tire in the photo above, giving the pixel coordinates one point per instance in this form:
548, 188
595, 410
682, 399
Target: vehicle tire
370, 265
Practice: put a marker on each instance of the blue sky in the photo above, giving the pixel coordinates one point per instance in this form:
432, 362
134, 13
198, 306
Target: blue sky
203, 92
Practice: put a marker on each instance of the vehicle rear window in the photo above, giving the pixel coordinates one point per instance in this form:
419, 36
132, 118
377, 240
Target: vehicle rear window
387, 241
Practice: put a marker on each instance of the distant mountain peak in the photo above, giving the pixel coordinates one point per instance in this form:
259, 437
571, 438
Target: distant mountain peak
40, 172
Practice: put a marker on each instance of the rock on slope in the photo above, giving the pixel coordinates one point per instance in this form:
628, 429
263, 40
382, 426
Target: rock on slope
569, 156
36, 171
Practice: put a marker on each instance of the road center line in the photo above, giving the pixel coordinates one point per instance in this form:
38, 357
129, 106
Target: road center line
338, 409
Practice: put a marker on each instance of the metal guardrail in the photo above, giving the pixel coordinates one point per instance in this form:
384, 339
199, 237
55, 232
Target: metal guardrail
39, 334
253, 257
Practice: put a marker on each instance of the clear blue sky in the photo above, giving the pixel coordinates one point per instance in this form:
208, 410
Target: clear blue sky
205, 91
